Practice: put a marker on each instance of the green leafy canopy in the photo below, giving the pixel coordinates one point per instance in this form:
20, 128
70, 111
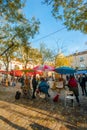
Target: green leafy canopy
73, 13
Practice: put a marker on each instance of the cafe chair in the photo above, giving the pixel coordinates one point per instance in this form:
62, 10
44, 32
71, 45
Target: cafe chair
69, 95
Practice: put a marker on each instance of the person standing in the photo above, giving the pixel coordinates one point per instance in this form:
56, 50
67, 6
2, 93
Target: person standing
82, 82
34, 85
22, 81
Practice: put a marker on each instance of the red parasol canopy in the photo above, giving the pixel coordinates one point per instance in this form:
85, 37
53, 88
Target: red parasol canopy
34, 73
44, 68
30, 72
16, 73
4, 72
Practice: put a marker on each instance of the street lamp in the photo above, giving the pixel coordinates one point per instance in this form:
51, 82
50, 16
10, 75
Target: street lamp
76, 54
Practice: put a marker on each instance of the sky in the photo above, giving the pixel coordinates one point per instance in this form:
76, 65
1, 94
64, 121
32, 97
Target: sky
72, 41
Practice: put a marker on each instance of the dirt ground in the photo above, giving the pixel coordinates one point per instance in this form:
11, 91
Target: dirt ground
39, 114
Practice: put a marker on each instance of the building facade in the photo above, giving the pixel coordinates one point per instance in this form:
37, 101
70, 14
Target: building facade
79, 60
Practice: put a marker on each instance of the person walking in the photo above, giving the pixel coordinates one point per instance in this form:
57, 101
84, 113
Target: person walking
34, 85
73, 86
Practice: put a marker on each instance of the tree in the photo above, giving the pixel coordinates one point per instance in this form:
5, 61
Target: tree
62, 60
73, 13
47, 54
16, 36
29, 55
15, 29
11, 10
11, 15
21, 32
36, 56
58, 54
8, 56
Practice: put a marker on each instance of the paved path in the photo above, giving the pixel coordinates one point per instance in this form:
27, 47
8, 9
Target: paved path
38, 114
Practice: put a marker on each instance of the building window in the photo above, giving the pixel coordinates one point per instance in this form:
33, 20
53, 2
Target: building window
82, 66
81, 59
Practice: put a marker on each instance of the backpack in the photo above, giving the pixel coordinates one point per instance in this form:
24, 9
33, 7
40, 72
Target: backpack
17, 95
73, 83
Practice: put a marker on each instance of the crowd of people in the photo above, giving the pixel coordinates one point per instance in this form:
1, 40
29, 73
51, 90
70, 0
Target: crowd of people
36, 84
73, 82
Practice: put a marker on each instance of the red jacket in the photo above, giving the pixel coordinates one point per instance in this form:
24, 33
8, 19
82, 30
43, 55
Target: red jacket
72, 82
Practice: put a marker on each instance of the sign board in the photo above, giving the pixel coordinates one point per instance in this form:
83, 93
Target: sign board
59, 84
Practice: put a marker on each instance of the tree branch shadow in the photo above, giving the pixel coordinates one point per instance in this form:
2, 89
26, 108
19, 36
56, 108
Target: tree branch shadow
36, 126
12, 124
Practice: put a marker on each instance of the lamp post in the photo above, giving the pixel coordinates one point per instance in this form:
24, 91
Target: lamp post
10, 65
76, 65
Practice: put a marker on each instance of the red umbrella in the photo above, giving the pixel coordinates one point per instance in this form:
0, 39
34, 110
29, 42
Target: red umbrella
34, 73
4, 72
30, 72
44, 68
16, 73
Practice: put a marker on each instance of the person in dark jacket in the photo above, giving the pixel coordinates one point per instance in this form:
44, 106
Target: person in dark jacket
22, 81
34, 85
82, 82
